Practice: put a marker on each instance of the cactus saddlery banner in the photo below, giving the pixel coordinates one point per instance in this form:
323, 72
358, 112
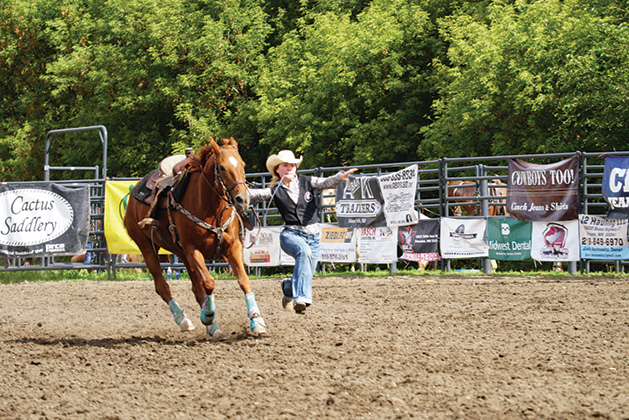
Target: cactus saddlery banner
543, 192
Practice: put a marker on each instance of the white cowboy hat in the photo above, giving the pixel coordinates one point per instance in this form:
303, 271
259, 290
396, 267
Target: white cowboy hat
284, 156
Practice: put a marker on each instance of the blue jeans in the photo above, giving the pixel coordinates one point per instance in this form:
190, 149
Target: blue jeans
305, 249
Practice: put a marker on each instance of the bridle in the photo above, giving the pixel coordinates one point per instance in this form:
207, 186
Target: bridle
218, 182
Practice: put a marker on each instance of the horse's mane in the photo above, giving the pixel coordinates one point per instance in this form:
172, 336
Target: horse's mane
205, 152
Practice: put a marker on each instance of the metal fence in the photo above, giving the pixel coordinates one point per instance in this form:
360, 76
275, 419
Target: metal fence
487, 177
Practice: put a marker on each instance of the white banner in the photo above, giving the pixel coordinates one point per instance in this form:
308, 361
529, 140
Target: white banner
398, 190
338, 245
464, 238
603, 238
377, 245
266, 250
555, 241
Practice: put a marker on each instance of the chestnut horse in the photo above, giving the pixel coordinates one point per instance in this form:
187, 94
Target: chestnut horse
202, 225
465, 192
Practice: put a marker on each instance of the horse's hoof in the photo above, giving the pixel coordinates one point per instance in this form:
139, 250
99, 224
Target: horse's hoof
259, 329
186, 325
218, 335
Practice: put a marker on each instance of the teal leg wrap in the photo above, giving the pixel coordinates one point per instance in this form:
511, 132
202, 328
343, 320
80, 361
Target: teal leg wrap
252, 306
253, 312
177, 312
208, 310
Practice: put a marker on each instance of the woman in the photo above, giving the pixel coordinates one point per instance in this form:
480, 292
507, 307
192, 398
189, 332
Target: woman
300, 238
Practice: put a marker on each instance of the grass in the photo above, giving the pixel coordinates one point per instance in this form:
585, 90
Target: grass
132, 275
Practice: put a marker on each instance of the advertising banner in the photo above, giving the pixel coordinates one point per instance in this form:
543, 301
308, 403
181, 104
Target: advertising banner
463, 238
603, 239
116, 200
377, 201
555, 241
616, 186
338, 245
398, 190
265, 252
420, 242
509, 239
543, 192
43, 219
377, 245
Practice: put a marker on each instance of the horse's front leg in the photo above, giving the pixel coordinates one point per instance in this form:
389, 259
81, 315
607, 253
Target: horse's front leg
161, 287
203, 288
235, 259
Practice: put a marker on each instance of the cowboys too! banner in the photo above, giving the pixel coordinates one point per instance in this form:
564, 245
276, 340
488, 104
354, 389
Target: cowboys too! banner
543, 192
43, 219
378, 201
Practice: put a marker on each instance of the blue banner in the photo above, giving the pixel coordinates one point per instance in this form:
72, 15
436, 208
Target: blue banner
616, 186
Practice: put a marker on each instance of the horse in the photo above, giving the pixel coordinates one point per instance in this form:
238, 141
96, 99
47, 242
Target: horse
465, 192
201, 223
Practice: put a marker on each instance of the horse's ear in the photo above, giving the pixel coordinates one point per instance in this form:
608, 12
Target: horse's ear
233, 143
214, 145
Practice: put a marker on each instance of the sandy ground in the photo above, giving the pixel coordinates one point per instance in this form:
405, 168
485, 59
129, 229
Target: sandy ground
369, 348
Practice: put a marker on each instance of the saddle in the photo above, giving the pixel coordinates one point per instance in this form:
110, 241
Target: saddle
170, 175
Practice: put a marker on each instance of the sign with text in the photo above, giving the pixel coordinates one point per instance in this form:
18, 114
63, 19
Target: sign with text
602, 238
43, 219
420, 242
543, 192
463, 238
377, 245
616, 186
265, 252
377, 201
509, 239
338, 245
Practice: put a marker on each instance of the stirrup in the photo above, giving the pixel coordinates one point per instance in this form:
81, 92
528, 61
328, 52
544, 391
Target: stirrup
149, 222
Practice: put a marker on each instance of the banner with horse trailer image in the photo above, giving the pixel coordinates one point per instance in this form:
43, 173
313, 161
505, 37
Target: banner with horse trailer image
378, 201
43, 219
555, 241
543, 192
615, 186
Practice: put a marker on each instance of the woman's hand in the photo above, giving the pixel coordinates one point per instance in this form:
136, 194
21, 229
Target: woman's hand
345, 174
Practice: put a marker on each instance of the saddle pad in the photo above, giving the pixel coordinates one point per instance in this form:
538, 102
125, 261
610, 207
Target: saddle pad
141, 192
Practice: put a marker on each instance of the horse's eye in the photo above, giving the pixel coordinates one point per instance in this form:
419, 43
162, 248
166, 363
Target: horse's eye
221, 168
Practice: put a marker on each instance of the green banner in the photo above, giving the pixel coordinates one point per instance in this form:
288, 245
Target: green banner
509, 239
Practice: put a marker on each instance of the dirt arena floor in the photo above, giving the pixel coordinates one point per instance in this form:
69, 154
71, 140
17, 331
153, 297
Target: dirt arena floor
427, 347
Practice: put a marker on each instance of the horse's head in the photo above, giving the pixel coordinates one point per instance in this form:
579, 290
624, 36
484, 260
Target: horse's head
229, 170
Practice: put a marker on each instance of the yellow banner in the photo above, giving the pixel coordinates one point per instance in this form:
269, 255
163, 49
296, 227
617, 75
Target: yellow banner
116, 199
117, 195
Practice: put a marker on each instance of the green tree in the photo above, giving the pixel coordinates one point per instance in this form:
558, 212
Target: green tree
343, 90
540, 77
160, 78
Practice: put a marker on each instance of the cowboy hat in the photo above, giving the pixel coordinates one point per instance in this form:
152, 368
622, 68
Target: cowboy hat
284, 156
